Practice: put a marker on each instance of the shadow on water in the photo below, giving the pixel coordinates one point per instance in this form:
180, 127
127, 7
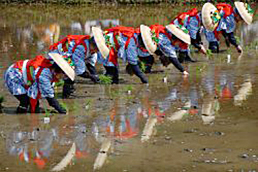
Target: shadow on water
205, 122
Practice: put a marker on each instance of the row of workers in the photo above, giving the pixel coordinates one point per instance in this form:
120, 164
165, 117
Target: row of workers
76, 55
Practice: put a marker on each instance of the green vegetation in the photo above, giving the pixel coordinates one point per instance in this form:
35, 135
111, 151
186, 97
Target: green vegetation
63, 105
88, 103
185, 2
47, 113
237, 40
106, 80
142, 66
128, 88
60, 83
209, 53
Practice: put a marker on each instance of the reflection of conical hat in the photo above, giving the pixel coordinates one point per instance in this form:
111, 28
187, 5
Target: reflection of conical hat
60, 61
55, 29
146, 34
243, 11
210, 16
180, 32
100, 41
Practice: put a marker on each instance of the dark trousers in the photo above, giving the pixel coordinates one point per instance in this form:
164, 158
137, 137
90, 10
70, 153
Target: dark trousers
112, 71
135, 69
91, 69
24, 103
214, 46
68, 87
230, 38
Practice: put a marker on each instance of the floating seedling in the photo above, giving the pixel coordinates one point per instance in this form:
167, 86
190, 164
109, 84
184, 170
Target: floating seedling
46, 120
106, 80
88, 104
209, 53
128, 88
228, 58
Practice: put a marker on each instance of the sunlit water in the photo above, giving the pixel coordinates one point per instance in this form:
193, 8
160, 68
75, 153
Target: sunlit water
206, 122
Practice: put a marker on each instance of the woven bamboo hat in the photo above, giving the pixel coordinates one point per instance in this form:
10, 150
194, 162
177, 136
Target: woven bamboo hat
64, 65
210, 16
149, 43
245, 11
180, 32
100, 41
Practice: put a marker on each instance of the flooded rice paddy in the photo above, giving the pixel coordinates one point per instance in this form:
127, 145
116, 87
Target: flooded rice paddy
205, 122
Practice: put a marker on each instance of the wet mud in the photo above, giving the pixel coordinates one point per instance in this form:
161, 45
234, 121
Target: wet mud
205, 122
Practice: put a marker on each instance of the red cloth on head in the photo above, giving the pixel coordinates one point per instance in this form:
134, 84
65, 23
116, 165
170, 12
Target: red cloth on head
227, 8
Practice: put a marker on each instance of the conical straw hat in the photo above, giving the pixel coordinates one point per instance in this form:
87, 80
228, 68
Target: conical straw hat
146, 34
180, 32
100, 41
242, 8
210, 16
60, 61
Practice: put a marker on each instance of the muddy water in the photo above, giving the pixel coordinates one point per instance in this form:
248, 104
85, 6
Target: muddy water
206, 122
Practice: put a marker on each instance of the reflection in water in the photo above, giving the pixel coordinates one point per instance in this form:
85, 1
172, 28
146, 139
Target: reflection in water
46, 35
178, 115
123, 123
103, 24
204, 91
102, 155
33, 39
66, 160
210, 107
243, 92
35, 146
249, 33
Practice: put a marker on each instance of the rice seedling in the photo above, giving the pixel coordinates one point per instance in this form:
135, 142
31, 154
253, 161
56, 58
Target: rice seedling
88, 103
106, 80
142, 66
237, 40
47, 113
128, 88
209, 53
60, 83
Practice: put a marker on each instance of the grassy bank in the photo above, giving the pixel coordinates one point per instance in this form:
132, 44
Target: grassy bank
114, 1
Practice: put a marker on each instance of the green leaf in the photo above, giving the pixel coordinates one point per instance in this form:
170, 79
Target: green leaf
209, 53
142, 66
106, 80
60, 83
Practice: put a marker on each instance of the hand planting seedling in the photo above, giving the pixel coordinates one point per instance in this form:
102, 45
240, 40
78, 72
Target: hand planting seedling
209, 53
106, 80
